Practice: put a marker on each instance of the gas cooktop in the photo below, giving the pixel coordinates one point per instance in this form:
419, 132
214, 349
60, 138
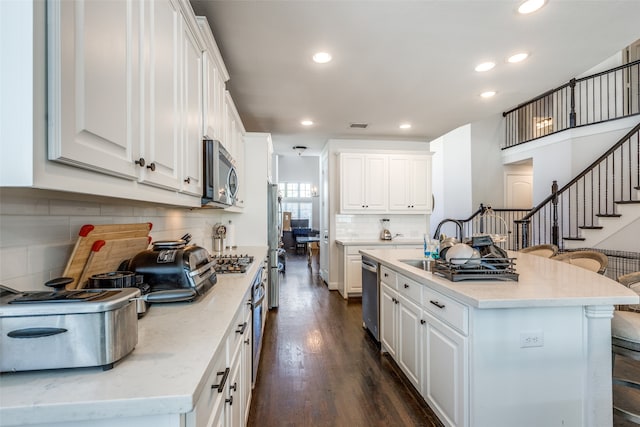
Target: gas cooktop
232, 263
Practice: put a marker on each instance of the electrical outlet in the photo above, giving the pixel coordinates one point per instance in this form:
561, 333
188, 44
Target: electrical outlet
531, 339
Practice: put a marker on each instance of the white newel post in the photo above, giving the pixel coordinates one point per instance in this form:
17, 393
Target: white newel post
598, 388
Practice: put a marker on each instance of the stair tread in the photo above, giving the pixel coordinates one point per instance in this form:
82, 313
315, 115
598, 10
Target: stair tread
574, 238
628, 202
608, 215
590, 227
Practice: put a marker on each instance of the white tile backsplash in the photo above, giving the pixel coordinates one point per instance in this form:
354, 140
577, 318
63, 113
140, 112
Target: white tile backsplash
38, 230
369, 226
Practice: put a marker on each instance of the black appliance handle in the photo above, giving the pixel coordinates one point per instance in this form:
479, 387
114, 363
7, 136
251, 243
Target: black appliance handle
35, 332
171, 295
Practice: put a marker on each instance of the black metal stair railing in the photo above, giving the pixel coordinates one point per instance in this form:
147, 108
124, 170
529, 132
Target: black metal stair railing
613, 179
609, 95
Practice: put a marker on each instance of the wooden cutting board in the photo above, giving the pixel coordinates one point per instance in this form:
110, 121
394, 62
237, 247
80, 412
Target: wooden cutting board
89, 234
106, 256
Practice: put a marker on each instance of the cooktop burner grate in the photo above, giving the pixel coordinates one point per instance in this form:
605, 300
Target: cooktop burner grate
232, 263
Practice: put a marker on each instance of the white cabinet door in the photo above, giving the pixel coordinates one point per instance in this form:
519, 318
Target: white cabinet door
192, 116
421, 184
444, 371
162, 91
410, 184
353, 274
363, 183
94, 103
235, 413
352, 182
376, 180
409, 334
246, 370
388, 310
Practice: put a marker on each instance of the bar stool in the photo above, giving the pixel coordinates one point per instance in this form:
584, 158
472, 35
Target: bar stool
546, 251
591, 260
625, 340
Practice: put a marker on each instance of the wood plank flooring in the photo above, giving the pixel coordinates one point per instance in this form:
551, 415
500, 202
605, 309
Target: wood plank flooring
319, 367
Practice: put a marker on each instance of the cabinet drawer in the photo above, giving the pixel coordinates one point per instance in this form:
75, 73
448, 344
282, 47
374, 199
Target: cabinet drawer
240, 330
409, 288
210, 397
447, 309
388, 276
355, 250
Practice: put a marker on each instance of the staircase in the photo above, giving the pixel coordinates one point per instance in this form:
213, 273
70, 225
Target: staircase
600, 201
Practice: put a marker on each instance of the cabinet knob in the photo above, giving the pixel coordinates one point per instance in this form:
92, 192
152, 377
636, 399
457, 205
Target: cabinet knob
188, 180
233, 387
422, 321
229, 400
152, 166
140, 162
247, 341
406, 286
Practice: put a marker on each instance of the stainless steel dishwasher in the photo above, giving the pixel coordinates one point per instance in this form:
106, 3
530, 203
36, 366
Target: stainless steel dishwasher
370, 296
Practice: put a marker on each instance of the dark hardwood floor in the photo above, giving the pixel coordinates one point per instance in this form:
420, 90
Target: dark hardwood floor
319, 367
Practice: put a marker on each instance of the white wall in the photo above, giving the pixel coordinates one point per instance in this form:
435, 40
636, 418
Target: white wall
563, 155
487, 178
304, 169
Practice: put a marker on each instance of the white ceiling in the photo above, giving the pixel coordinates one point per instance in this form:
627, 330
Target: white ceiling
396, 61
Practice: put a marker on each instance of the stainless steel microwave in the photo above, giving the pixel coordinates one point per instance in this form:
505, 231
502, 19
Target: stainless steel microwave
220, 184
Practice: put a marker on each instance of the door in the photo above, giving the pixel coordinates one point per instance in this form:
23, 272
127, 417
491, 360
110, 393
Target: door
409, 339
518, 191
162, 87
352, 182
376, 183
388, 298
93, 86
191, 104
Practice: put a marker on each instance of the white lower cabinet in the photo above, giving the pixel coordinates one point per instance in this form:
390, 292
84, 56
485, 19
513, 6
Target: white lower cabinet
444, 370
226, 396
426, 334
400, 330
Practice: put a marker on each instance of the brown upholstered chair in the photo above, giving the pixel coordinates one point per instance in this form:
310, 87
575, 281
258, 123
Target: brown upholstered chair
591, 260
546, 251
625, 341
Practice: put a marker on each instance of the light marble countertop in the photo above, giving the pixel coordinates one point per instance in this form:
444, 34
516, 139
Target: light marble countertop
542, 282
377, 242
164, 374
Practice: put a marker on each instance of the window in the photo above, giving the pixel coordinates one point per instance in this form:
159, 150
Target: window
296, 198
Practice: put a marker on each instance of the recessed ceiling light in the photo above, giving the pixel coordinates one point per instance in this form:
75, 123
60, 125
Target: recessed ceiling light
488, 94
517, 57
530, 6
306, 123
485, 66
322, 57
405, 126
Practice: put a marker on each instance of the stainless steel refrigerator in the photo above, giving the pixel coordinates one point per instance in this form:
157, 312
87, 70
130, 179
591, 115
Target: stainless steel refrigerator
273, 238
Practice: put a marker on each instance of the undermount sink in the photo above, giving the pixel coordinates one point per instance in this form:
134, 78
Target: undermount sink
417, 263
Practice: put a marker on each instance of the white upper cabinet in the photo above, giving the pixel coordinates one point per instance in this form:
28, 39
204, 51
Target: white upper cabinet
215, 76
94, 85
385, 183
410, 184
192, 69
162, 81
363, 180
126, 93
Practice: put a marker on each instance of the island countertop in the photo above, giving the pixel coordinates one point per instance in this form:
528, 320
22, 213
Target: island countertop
164, 374
542, 282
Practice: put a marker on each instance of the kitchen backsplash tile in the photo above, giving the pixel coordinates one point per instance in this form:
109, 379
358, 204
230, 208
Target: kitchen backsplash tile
369, 226
38, 230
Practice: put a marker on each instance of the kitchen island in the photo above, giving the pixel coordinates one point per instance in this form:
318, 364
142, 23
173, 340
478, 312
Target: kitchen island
163, 382
532, 352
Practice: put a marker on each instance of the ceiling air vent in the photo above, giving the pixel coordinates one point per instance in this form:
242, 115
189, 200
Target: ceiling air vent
358, 125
